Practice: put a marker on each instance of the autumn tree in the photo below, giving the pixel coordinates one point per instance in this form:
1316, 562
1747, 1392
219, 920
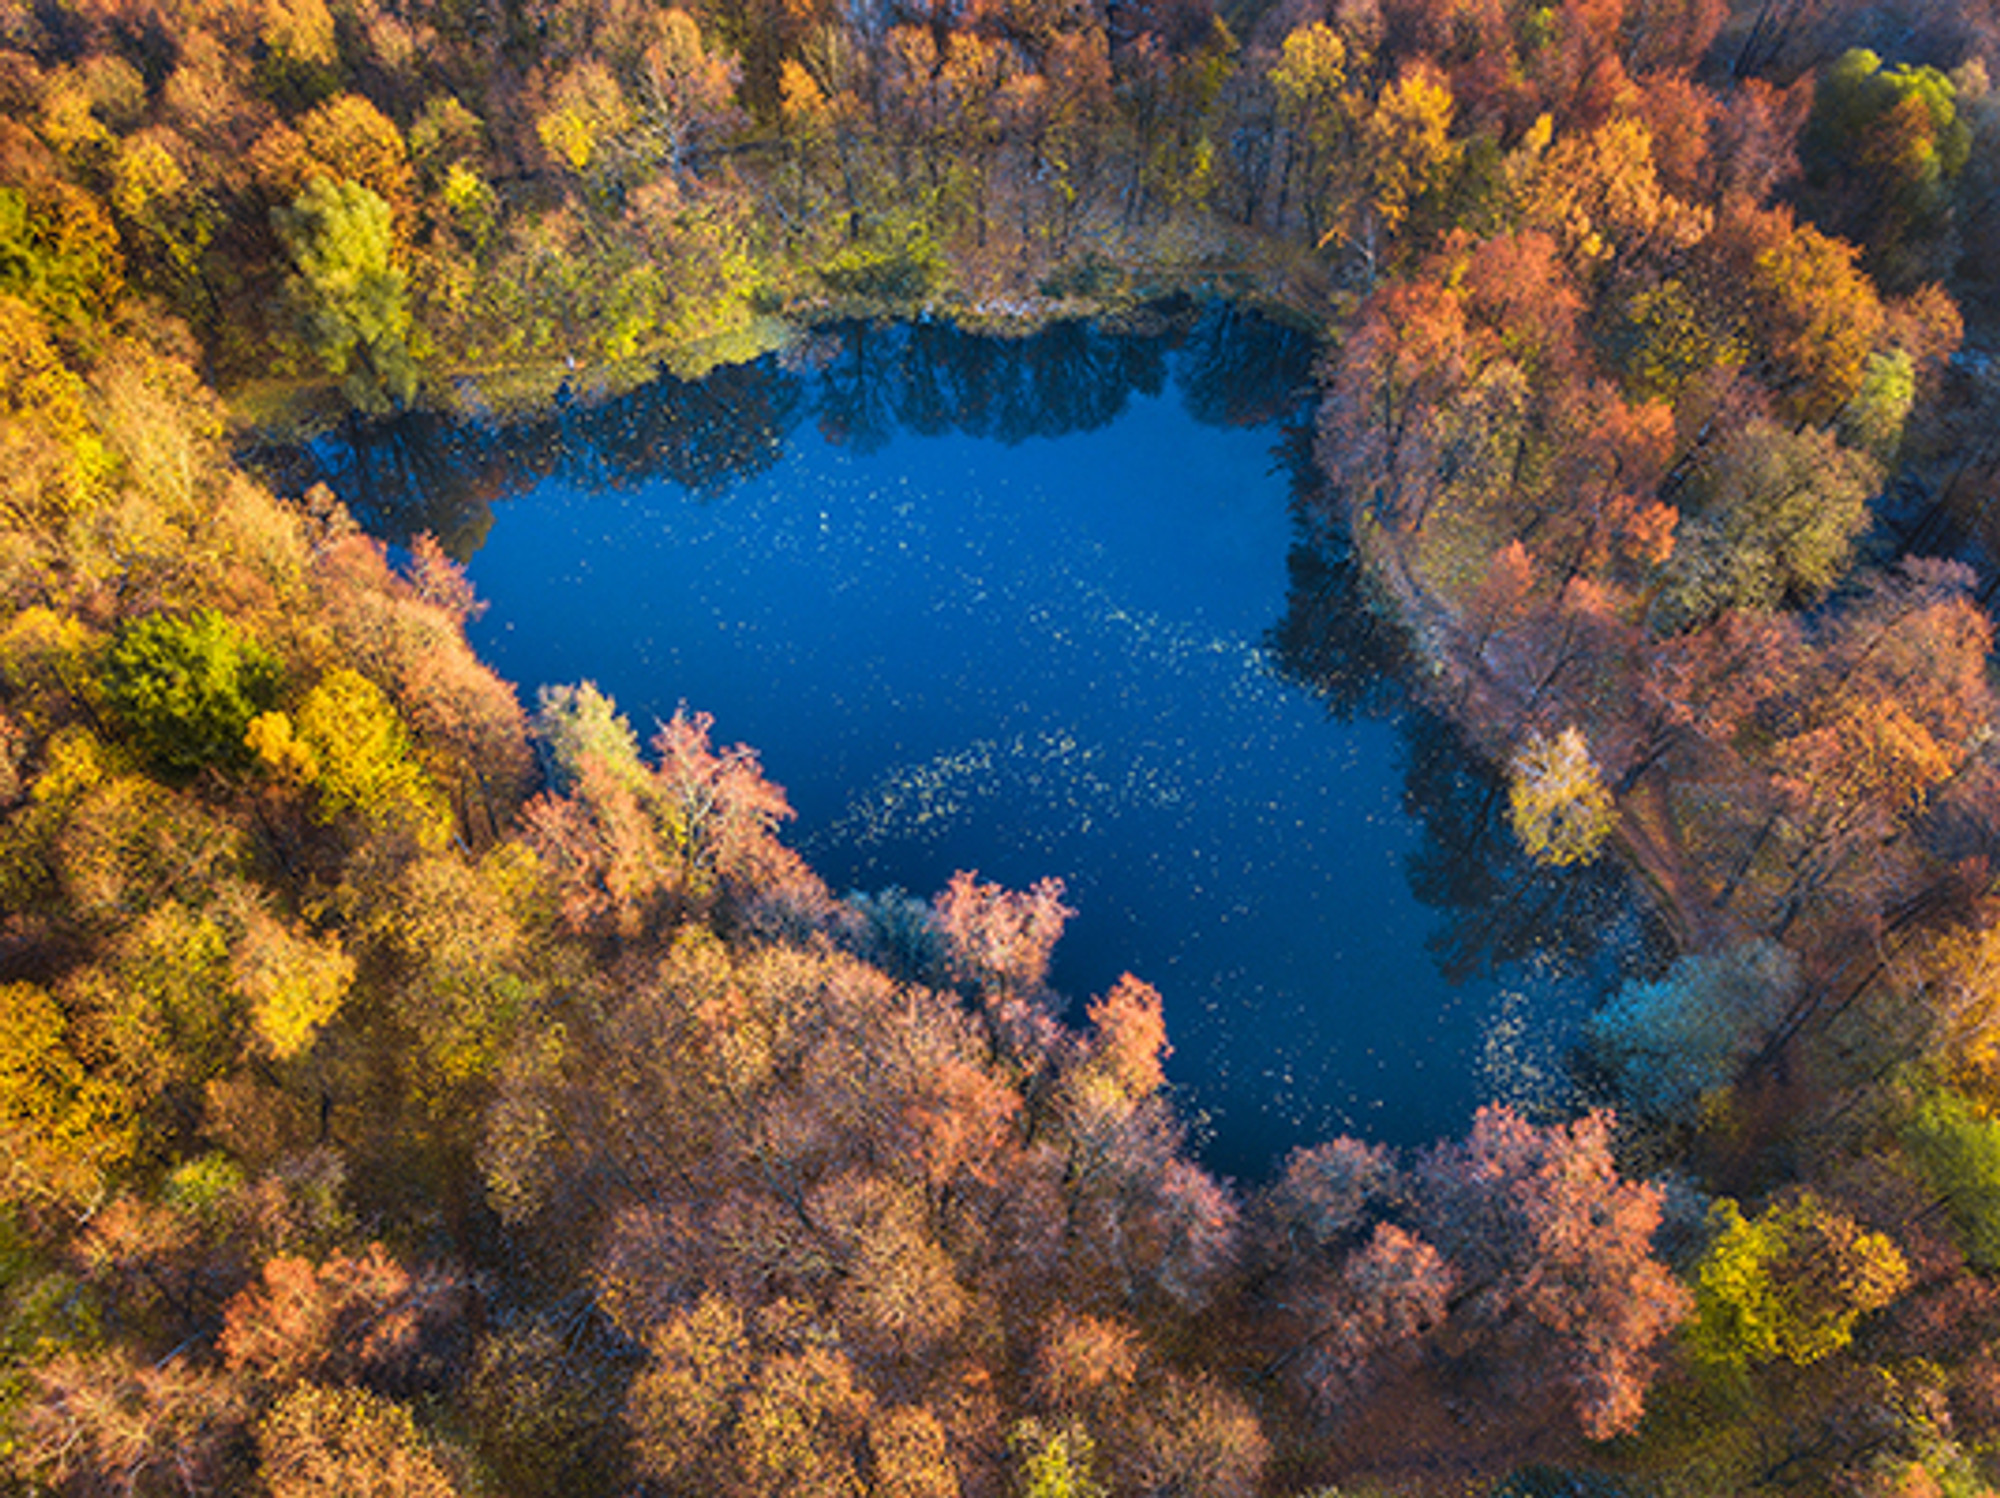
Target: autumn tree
542, 1399
64, 1127
318, 1442
291, 982
1360, 1318
1056, 1463
1775, 514
362, 1318
57, 463
406, 632
1887, 718
171, 221
1673, 1044
1598, 193
1409, 354
584, 121
1310, 78
1406, 141
59, 252
1554, 1254
722, 811
754, 1404
1664, 37
686, 91
110, 1424
998, 941
348, 743
1789, 1284
1561, 809
596, 832
1815, 315
349, 139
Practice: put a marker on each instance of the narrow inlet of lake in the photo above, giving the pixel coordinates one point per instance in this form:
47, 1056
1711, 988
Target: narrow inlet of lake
1053, 606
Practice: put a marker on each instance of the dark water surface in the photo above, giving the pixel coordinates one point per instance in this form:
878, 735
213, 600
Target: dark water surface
1051, 607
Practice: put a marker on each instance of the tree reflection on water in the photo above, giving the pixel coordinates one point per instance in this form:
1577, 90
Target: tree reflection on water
1337, 642
859, 384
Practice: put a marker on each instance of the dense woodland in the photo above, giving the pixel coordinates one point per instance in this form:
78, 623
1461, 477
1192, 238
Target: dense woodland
406, 1090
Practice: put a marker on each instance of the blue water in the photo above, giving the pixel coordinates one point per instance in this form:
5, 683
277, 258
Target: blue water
1051, 655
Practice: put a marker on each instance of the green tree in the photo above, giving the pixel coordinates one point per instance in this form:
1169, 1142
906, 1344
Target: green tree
350, 290
1958, 1153
188, 685
1888, 143
1873, 420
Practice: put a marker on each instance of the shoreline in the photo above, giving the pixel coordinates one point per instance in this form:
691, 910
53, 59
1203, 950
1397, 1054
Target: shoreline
294, 409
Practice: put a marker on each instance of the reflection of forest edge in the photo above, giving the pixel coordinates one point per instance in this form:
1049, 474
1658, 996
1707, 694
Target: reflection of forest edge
857, 383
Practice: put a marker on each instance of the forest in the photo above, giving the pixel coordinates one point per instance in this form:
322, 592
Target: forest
406, 1089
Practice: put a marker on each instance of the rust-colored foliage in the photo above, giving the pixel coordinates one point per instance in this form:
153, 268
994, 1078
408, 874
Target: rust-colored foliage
345, 1318
1555, 1254
997, 941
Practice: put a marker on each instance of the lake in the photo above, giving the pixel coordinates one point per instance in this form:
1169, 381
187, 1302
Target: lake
1053, 606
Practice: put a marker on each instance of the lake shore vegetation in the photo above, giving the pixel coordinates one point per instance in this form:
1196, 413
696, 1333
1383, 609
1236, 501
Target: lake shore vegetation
409, 1089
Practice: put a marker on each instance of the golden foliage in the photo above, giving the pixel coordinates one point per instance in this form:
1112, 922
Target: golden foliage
1561, 808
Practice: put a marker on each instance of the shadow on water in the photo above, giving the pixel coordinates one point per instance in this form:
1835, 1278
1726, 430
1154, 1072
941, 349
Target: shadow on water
1340, 644
1335, 642
422, 471
1497, 905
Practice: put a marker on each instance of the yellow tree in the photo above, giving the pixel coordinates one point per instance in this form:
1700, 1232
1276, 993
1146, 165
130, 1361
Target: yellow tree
348, 742
59, 251
585, 113
291, 982
318, 1443
1561, 808
53, 460
1310, 80
749, 1407
345, 139
1598, 193
1818, 317
1791, 1284
1407, 143
62, 1126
